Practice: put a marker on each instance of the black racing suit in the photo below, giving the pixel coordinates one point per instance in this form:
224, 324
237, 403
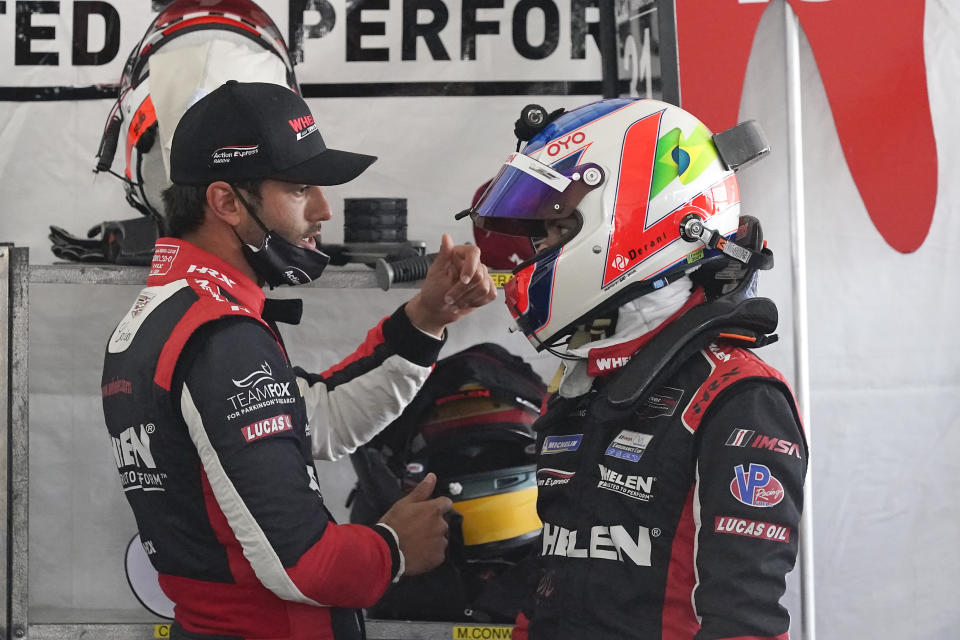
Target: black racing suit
211, 432
675, 518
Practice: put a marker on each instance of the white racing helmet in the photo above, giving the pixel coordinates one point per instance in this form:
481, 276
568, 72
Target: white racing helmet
652, 198
190, 48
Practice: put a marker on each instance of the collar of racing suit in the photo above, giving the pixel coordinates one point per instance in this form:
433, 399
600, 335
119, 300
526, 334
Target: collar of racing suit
638, 322
175, 259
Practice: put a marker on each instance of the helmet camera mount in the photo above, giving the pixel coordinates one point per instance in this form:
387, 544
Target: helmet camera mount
533, 119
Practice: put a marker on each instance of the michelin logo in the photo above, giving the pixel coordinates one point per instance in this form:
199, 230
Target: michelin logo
561, 444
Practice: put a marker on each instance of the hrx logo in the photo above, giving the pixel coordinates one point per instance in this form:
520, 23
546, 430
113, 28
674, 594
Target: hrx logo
213, 273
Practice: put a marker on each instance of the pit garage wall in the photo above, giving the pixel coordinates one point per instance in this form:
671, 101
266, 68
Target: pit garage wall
885, 383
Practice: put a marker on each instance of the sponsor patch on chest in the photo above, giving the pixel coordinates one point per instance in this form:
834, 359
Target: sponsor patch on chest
553, 477
636, 487
628, 445
663, 402
561, 444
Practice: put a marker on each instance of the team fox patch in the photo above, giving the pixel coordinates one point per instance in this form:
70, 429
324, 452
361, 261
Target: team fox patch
268, 427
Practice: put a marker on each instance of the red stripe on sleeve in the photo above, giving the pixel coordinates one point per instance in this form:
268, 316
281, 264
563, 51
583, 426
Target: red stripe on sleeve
372, 341
348, 567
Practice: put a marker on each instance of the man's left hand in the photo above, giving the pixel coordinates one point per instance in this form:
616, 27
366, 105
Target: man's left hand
456, 284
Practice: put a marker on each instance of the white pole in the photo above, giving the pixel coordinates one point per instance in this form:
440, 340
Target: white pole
800, 339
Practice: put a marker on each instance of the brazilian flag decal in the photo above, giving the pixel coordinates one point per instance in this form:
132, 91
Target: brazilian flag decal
681, 157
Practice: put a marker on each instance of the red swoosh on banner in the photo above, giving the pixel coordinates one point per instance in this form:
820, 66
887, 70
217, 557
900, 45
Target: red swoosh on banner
871, 61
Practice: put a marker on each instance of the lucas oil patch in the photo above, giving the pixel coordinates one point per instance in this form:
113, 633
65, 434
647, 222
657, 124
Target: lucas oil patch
268, 427
751, 529
628, 445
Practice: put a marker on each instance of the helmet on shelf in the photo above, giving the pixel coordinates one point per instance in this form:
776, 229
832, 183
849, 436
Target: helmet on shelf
189, 49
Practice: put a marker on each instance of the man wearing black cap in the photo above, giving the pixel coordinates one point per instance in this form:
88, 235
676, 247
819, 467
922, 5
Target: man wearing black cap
214, 432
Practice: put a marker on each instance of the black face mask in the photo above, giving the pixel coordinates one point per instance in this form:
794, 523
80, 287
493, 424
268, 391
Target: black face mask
278, 261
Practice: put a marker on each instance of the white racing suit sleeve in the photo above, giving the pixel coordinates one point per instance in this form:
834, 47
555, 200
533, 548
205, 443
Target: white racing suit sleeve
350, 403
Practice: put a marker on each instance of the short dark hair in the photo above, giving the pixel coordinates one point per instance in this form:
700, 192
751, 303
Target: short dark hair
183, 204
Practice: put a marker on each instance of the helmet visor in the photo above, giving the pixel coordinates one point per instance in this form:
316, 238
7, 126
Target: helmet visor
527, 193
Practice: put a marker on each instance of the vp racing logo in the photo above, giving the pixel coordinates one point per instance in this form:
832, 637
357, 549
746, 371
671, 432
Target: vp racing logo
259, 390
755, 486
131, 452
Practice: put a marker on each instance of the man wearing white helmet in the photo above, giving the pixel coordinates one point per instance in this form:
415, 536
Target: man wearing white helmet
672, 459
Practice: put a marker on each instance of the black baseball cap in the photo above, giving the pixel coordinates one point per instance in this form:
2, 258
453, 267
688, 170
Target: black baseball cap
255, 130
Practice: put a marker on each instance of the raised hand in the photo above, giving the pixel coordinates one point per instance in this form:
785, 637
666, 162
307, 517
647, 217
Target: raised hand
456, 284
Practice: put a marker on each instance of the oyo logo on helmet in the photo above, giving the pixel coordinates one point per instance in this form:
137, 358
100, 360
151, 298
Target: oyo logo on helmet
563, 144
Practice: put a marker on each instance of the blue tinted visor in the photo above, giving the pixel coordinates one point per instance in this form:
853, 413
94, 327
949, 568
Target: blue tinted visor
526, 193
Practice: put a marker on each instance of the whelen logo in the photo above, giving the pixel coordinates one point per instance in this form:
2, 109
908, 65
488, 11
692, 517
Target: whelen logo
131, 451
606, 364
303, 126
636, 487
600, 541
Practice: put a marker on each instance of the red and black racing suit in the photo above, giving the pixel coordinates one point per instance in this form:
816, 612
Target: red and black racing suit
211, 432
674, 519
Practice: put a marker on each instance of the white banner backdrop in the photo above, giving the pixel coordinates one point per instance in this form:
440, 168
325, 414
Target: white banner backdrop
885, 383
